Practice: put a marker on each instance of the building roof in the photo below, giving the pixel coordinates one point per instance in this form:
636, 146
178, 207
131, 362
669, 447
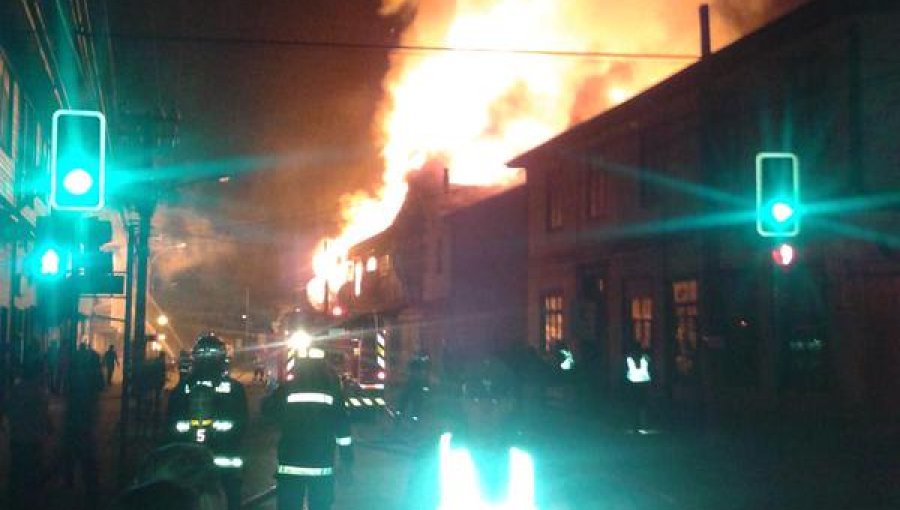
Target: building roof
427, 194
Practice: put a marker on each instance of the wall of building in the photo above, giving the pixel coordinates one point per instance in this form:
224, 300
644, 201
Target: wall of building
678, 164
488, 277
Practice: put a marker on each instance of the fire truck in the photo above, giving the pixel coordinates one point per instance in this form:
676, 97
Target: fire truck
359, 356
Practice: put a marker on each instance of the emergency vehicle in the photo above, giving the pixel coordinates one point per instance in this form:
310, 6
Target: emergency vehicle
360, 357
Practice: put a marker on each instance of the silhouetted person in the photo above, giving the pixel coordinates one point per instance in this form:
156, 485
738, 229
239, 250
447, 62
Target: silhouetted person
188, 465
79, 442
259, 369
53, 367
638, 374
28, 416
158, 495
110, 361
418, 374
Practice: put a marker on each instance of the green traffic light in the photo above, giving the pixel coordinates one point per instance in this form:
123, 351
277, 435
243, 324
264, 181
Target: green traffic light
77, 160
778, 209
50, 262
78, 182
781, 211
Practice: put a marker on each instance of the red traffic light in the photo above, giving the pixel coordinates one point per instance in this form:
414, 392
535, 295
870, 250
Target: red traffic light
784, 254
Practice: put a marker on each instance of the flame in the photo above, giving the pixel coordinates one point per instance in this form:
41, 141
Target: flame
474, 110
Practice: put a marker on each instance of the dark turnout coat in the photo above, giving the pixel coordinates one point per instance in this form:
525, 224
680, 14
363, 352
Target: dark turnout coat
212, 413
310, 411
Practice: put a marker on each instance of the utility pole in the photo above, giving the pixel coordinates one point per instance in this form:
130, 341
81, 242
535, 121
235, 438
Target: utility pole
145, 217
710, 319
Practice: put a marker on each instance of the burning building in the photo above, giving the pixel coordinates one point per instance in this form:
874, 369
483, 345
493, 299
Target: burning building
419, 279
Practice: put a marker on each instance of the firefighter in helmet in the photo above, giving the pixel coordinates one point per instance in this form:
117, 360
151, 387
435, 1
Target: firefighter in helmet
309, 409
208, 407
478, 461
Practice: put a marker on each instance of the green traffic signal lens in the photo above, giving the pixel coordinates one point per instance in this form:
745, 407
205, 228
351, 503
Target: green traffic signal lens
50, 262
78, 182
782, 211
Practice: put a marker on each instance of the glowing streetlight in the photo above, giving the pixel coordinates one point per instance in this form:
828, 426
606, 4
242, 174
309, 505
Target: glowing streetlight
162, 320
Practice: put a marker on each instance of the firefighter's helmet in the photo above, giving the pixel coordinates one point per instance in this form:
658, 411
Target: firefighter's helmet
210, 355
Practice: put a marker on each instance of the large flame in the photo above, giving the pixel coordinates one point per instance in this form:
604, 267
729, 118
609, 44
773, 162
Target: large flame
474, 110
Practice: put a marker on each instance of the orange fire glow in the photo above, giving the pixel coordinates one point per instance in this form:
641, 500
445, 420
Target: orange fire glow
475, 110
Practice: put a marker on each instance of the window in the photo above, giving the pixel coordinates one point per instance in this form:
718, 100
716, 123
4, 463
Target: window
6, 108
684, 295
654, 158
439, 256
384, 265
642, 320
554, 202
552, 316
595, 190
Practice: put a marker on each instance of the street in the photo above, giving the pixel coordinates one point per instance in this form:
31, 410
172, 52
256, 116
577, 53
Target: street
589, 460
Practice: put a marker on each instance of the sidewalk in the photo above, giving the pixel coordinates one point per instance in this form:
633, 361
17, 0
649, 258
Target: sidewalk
111, 471
791, 460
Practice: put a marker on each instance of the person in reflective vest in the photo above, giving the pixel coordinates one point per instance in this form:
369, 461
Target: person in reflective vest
479, 462
637, 372
309, 408
208, 407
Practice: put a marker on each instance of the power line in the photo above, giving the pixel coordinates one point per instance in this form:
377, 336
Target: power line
301, 43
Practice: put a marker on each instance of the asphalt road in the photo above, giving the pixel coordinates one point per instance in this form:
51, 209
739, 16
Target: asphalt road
586, 461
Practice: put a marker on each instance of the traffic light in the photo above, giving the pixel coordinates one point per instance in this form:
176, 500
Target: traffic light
94, 262
50, 258
94, 265
49, 261
777, 194
78, 160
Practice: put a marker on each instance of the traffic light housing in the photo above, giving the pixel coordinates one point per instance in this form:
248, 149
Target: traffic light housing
94, 266
78, 161
777, 194
93, 261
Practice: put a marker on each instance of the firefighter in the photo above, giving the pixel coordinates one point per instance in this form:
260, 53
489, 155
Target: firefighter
637, 371
310, 411
417, 384
184, 365
208, 407
479, 462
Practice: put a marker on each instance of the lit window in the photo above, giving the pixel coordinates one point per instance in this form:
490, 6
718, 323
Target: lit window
642, 320
552, 319
357, 278
371, 264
